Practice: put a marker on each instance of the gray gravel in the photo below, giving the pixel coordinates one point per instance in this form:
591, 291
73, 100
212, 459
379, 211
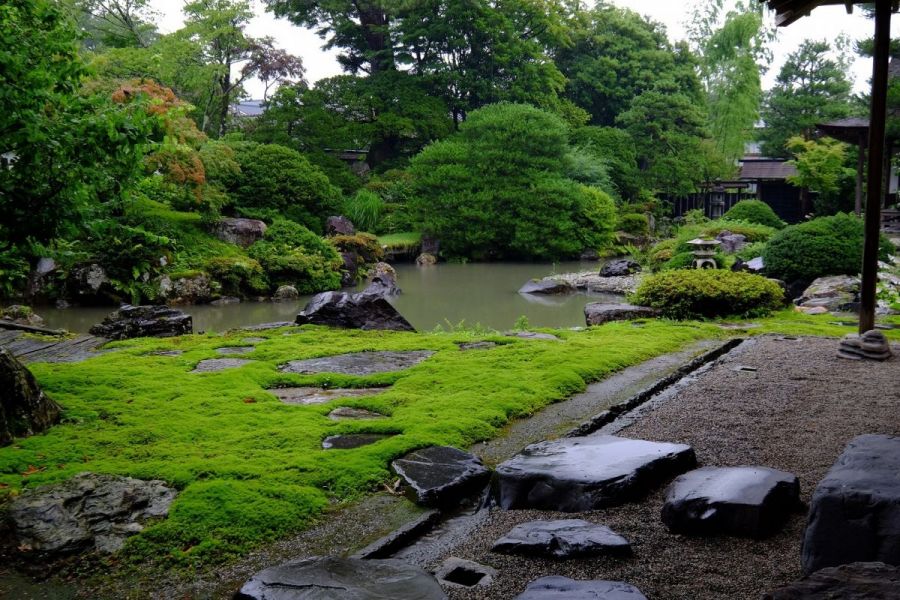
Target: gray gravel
795, 413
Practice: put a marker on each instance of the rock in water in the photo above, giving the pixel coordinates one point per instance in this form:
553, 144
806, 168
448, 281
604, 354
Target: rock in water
854, 514
86, 513
547, 286
144, 321
856, 581
598, 313
243, 232
620, 268
339, 226
353, 311
563, 588
24, 409
442, 475
578, 474
285, 293
426, 260
342, 579
566, 538
743, 501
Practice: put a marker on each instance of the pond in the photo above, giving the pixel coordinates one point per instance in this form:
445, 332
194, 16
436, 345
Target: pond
444, 294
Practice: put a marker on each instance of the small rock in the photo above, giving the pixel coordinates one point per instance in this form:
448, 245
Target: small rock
426, 260
213, 365
235, 350
563, 588
743, 501
359, 363
225, 300
532, 335
339, 225
477, 346
464, 574
196, 289
830, 293
350, 272
349, 441
441, 475
756, 264
333, 577
731, 242
286, 293
143, 321
314, 395
547, 286
598, 313
24, 409
382, 282
348, 413
566, 538
353, 311
23, 315
855, 581
243, 232
620, 267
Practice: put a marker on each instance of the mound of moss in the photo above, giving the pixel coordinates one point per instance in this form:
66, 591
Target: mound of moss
708, 293
754, 211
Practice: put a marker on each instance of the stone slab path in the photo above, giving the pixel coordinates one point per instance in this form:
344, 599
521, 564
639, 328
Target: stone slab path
29, 348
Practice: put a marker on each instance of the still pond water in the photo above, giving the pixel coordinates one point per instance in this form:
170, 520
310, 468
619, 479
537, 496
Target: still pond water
443, 294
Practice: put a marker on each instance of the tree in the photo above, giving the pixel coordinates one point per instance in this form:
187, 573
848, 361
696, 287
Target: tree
496, 189
821, 167
117, 23
812, 87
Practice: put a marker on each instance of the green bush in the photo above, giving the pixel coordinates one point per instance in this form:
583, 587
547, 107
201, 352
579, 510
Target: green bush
668, 249
238, 276
634, 223
823, 246
754, 211
293, 255
685, 260
363, 244
694, 293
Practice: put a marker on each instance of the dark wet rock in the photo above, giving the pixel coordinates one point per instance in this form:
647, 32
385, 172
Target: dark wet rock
382, 282
243, 232
831, 293
464, 574
90, 284
442, 475
598, 313
477, 346
547, 286
854, 514
856, 581
563, 588
353, 311
743, 501
351, 262
349, 413
89, 512
532, 335
41, 280
731, 242
426, 260
21, 315
620, 267
196, 289
342, 578
235, 350
24, 409
225, 301
286, 293
359, 363
339, 225
314, 395
143, 321
213, 365
565, 538
348, 441
578, 474
267, 326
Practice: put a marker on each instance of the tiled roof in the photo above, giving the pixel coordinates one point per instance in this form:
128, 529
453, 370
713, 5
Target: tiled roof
767, 169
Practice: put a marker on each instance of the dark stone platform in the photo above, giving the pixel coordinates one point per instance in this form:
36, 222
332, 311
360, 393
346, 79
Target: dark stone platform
441, 475
856, 581
566, 538
349, 441
563, 588
359, 363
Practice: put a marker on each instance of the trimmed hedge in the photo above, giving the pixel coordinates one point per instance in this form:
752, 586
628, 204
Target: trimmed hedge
693, 293
754, 211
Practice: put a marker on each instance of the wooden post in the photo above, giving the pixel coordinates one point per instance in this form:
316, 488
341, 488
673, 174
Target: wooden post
860, 165
876, 164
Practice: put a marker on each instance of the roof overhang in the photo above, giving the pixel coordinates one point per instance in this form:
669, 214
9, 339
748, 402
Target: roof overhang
788, 11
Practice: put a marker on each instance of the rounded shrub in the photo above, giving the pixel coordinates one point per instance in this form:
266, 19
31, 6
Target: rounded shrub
823, 246
293, 255
693, 293
634, 223
754, 211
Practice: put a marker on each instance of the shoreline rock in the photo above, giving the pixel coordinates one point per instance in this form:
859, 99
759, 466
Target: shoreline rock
592, 281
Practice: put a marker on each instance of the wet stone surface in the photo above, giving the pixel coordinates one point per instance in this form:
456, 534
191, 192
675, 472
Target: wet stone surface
167, 353
531, 335
314, 395
235, 350
347, 413
359, 363
348, 441
742, 501
253, 340
441, 475
577, 474
331, 577
213, 365
856, 581
477, 346
565, 538
563, 588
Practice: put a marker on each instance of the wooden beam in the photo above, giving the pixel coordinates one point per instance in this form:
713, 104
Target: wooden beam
878, 114
860, 165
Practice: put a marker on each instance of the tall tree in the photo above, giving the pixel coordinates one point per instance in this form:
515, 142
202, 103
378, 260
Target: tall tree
116, 23
812, 87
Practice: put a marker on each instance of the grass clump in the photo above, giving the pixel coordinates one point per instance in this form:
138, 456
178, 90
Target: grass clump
404, 241
694, 293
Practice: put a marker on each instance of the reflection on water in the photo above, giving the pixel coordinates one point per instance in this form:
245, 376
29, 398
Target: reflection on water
485, 294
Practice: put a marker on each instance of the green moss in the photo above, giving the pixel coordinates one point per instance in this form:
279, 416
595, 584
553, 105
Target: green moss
400, 241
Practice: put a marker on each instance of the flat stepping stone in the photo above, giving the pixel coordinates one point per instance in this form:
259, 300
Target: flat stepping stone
267, 326
477, 346
531, 335
235, 350
441, 475
342, 578
854, 514
347, 413
578, 474
565, 538
349, 441
359, 363
743, 501
167, 353
315, 395
464, 574
856, 581
213, 365
253, 340
563, 588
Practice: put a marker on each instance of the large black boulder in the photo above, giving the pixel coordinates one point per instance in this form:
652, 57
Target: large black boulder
144, 321
24, 409
578, 474
620, 267
442, 475
856, 581
336, 578
854, 515
563, 588
565, 538
353, 311
742, 501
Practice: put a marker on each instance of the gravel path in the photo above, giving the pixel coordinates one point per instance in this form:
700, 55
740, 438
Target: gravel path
795, 412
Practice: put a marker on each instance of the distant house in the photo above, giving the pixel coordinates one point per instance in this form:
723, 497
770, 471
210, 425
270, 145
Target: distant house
767, 178
248, 109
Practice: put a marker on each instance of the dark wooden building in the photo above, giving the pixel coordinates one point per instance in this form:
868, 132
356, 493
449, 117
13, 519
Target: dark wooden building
768, 179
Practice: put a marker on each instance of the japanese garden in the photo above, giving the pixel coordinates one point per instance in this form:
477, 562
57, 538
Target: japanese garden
525, 299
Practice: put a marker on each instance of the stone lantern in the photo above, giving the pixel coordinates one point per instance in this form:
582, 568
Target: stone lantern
704, 252
717, 201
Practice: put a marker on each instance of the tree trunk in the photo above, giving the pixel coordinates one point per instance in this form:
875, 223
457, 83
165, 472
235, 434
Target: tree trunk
380, 49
